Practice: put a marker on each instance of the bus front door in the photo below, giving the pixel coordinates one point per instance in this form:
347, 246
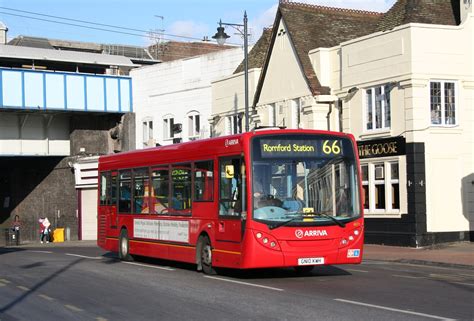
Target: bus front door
231, 193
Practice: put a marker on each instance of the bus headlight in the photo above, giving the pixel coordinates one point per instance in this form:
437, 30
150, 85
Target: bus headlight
266, 240
352, 237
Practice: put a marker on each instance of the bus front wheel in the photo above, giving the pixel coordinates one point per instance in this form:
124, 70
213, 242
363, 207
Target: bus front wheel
124, 247
205, 256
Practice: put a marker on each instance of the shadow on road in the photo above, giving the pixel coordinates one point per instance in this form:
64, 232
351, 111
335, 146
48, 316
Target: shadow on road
38, 286
250, 274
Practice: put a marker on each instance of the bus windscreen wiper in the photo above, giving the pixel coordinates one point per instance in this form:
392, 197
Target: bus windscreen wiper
332, 218
279, 224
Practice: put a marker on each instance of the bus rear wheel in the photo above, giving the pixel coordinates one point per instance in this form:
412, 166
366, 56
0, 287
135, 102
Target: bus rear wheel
205, 256
124, 246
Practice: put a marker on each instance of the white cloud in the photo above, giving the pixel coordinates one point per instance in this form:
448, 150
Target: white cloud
188, 28
263, 20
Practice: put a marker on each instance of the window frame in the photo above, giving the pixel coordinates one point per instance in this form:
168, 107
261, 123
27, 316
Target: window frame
168, 124
442, 83
234, 123
385, 105
387, 183
193, 131
272, 115
295, 113
147, 131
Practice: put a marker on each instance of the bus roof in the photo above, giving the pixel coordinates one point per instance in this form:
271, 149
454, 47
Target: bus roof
201, 149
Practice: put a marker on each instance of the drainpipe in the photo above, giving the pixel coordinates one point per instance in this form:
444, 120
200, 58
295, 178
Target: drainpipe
328, 116
339, 103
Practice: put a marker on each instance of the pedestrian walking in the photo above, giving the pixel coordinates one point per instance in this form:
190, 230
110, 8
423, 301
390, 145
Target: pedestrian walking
45, 230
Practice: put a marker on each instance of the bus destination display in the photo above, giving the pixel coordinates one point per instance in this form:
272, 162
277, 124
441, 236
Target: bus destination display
290, 148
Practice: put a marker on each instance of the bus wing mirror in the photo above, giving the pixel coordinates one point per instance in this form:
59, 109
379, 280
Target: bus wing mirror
229, 171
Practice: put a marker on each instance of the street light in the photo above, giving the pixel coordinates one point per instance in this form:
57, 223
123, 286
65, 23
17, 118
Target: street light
221, 37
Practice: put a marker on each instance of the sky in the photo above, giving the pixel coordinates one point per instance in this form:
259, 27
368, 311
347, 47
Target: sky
141, 21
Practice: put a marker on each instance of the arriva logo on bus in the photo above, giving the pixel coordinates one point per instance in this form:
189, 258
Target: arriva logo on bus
300, 233
231, 142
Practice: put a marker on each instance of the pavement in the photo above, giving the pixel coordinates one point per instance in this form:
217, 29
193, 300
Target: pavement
459, 254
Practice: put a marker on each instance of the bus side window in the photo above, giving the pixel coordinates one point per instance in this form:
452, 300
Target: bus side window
181, 188
141, 191
125, 191
104, 187
113, 189
160, 190
204, 181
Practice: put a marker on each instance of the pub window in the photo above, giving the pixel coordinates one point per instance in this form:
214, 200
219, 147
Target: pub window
160, 191
378, 113
203, 181
181, 188
125, 191
141, 191
381, 185
443, 103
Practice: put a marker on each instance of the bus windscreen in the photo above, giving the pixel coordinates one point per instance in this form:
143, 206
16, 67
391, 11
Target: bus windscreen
302, 180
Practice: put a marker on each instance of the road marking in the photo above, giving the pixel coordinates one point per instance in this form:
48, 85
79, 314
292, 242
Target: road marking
73, 308
243, 283
354, 270
21, 287
408, 276
101, 319
44, 296
395, 310
48, 252
4, 281
470, 284
446, 277
151, 266
86, 257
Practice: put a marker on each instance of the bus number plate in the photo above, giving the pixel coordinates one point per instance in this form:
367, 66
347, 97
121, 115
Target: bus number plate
311, 261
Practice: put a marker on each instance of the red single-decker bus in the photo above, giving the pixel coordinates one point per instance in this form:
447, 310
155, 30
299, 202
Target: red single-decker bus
261, 199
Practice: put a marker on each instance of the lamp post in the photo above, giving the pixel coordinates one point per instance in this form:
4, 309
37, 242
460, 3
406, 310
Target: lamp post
221, 37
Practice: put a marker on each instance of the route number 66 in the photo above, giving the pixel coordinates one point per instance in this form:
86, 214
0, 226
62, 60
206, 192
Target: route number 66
331, 147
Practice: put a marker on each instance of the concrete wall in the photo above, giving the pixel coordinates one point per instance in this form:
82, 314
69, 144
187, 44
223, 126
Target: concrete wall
37, 187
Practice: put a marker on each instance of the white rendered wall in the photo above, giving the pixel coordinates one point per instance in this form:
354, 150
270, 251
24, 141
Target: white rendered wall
177, 88
409, 57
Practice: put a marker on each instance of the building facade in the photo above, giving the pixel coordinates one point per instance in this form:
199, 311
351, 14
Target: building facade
173, 99
401, 82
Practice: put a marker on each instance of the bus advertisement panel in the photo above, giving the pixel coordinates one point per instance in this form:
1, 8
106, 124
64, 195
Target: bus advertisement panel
269, 198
